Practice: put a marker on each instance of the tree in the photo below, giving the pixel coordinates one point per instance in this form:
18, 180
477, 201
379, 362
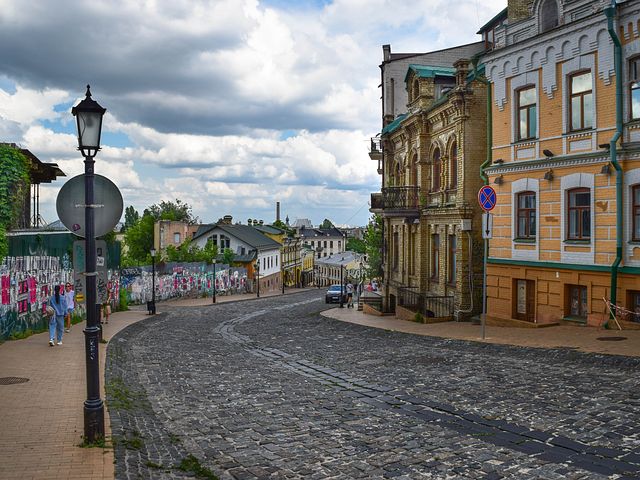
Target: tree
175, 211
373, 245
356, 245
139, 241
131, 217
326, 224
227, 256
14, 189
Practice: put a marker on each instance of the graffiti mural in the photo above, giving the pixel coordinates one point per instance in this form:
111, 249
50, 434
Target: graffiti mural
26, 284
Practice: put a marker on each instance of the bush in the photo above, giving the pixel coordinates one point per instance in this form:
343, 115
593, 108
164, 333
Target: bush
418, 318
123, 304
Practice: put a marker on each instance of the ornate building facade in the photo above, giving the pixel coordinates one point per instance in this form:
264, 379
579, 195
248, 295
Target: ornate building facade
430, 157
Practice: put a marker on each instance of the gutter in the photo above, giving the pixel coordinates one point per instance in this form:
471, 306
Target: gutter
610, 13
487, 162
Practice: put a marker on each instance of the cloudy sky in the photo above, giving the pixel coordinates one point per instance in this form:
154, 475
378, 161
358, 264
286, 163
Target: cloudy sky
228, 105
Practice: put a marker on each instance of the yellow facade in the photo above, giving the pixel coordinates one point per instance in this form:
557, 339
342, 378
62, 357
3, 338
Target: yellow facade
564, 270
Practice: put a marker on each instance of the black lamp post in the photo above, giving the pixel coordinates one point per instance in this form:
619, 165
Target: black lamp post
282, 265
88, 115
257, 265
153, 281
214, 281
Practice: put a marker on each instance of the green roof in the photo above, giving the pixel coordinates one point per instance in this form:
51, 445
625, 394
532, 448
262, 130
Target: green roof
471, 77
426, 71
395, 124
502, 15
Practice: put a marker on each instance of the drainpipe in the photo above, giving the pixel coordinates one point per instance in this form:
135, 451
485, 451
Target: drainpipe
487, 162
610, 13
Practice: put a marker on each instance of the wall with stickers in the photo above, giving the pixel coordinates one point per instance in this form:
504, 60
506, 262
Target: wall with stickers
26, 284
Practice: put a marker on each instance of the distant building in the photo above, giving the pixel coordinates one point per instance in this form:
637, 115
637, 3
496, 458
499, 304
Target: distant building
323, 241
345, 266
302, 223
170, 232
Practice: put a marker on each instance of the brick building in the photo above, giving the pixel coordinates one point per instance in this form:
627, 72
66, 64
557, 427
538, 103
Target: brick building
565, 160
429, 154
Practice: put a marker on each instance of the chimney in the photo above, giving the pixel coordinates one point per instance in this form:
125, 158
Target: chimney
227, 219
386, 53
249, 222
462, 69
277, 211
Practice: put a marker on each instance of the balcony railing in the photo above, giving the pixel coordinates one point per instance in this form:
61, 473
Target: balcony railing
401, 198
431, 306
377, 201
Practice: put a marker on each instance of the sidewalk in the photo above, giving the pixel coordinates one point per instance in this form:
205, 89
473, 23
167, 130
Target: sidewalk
43, 418
583, 339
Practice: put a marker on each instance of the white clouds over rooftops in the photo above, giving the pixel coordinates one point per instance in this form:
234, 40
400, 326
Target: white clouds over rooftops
271, 101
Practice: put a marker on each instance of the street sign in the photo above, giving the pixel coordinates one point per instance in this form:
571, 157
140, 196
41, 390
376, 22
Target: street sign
487, 225
487, 198
79, 277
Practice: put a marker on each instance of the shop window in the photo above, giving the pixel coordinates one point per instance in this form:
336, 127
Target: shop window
633, 305
579, 214
581, 101
527, 113
526, 215
577, 295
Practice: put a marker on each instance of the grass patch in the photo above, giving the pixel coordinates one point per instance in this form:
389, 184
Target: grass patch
118, 395
174, 439
192, 464
98, 443
151, 464
131, 443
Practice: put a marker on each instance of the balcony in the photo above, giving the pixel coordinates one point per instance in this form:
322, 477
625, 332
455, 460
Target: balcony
375, 152
377, 203
397, 201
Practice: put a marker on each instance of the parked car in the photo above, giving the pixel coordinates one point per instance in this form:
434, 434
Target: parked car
333, 294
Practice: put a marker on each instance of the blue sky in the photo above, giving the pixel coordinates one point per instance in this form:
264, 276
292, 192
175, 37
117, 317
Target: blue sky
230, 106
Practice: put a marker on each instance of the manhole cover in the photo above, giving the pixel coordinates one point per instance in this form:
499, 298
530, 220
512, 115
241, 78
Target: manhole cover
12, 380
611, 339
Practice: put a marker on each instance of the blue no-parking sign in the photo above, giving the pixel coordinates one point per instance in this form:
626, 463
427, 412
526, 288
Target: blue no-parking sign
487, 198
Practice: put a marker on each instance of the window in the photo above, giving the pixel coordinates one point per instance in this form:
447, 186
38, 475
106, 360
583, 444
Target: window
548, 15
453, 162
331, 244
527, 127
437, 167
581, 102
435, 256
579, 201
395, 250
577, 301
452, 259
633, 305
635, 211
634, 86
526, 215
176, 237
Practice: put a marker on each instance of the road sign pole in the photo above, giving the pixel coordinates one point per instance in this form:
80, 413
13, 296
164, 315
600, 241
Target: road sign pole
487, 199
484, 288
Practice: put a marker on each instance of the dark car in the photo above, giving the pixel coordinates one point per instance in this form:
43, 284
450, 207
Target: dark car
333, 294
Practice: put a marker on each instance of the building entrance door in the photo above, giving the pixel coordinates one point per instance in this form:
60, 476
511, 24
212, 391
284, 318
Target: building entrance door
524, 304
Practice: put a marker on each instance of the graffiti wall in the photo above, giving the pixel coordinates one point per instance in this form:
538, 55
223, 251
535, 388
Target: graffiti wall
182, 280
26, 284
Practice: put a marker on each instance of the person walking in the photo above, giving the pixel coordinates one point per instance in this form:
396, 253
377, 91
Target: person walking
69, 296
56, 321
349, 295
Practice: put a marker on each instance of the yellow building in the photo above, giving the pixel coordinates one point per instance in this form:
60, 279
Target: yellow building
565, 159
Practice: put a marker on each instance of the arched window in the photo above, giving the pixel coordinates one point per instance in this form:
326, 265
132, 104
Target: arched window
413, 172
396, 175
437, 169
416, 89
548, 15
453, 166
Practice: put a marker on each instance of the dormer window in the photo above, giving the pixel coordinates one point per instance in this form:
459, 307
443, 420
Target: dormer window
548, 15
416, 89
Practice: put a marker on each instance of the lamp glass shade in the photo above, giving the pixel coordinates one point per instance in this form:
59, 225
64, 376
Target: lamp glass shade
153, 252
89, 128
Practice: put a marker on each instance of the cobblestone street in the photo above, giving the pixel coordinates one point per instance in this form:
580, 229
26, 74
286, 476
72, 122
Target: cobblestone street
271, 389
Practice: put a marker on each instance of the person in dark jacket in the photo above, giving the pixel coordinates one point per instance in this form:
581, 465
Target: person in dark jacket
56, 321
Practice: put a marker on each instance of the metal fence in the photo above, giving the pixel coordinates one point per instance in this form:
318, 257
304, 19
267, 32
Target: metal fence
431, 306
372, 299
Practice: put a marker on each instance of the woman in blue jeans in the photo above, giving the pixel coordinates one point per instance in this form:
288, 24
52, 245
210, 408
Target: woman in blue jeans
56, 322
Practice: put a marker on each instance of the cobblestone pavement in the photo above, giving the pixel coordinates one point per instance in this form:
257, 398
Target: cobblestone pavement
270, 389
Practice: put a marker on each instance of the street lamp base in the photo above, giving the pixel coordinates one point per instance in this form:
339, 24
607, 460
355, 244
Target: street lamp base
93, 421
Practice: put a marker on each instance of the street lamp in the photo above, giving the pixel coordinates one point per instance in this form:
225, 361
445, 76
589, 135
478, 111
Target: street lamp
152, 310
214, 281
89, 115
257, 266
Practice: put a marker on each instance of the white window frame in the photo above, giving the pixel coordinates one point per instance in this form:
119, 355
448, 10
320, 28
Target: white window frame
631, 178
568, 182
518, 186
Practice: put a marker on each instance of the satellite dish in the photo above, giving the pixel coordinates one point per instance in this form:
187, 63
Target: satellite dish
70, 205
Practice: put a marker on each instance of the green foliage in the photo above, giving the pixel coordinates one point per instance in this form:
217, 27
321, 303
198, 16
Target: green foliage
14, 187
326, 224
131, 217
227, 256
418, 318
373, 243
192, 464
123, 301
356, 245
175, 211
283, 226
190, 252
139, 240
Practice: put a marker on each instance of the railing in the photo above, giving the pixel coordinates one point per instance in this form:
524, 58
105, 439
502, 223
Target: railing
401, 197
377, 201
376, 145
431, 306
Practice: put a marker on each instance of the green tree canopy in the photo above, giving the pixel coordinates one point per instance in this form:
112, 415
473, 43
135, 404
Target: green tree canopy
176, 211
14, 185
227, 256
326, 224
131, 217
139, 240
356, 245
373, 245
